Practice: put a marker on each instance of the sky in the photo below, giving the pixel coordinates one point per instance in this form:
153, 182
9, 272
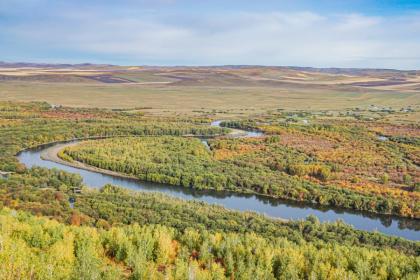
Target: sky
323, 33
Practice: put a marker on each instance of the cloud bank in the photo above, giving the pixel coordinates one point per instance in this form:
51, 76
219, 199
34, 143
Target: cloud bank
148, 36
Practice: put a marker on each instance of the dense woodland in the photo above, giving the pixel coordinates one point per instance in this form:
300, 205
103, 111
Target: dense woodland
38, 248
113, 233
260, 165
146, 236
47, 193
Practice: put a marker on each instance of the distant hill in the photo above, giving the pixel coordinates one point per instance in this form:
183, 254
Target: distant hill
50, 65
329, 70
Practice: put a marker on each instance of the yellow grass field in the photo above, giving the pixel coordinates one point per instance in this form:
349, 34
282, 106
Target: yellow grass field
227, 89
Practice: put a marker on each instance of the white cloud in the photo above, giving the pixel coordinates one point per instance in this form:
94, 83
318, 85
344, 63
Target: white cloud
357, 22
271, 38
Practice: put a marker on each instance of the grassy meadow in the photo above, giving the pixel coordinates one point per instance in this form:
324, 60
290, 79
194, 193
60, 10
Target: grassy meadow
223, 90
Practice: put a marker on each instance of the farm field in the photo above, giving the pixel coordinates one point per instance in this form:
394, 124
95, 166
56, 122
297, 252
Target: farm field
230, 91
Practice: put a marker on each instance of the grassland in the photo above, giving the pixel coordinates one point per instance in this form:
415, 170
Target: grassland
222, 90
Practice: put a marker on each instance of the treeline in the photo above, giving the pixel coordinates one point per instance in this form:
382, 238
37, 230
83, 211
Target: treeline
38, 248
249, 125
186, 162
30, 124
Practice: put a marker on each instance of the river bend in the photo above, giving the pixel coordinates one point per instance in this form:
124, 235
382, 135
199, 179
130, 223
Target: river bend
271, 207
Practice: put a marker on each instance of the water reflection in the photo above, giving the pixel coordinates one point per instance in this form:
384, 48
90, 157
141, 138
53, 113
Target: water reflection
243, 134
243, 202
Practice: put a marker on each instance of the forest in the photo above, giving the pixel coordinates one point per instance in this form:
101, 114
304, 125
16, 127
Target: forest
39, 248
47, 192
262, 165
114, 233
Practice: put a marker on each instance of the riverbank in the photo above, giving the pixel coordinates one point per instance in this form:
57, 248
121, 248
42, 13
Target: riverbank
241, 201
51, 154
271, 207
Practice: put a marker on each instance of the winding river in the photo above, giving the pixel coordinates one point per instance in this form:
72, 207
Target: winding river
276, 208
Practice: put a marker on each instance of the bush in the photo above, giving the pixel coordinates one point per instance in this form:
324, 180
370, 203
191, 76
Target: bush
384, 178
407, 179
323, 173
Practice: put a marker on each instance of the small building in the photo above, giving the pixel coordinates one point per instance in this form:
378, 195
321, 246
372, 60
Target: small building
5, 174
55, 106
76, 190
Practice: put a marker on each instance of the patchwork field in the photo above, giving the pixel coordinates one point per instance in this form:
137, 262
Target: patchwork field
224, 90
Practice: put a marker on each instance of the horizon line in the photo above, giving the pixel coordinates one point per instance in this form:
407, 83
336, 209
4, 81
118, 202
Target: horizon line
2, 62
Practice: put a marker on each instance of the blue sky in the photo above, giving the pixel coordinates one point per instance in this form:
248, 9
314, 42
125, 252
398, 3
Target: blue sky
374, 34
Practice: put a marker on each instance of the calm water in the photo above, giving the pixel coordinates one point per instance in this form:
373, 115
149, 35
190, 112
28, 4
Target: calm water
271, 207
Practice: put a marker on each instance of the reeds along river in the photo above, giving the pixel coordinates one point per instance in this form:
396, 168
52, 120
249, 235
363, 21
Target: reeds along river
276, 208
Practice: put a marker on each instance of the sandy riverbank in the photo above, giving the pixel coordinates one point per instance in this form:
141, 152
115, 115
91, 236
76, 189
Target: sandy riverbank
51, 154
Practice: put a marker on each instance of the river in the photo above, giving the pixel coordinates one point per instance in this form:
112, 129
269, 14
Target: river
276, 208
